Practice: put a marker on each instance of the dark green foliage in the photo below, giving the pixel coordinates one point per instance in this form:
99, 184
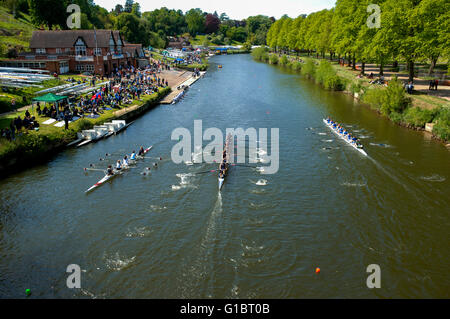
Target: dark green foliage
442, 124
418, 117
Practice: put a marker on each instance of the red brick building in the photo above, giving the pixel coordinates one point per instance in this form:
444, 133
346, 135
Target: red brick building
62, 51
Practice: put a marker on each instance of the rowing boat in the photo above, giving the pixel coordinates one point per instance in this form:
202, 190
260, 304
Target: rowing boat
226, 148
356, 146
116, 172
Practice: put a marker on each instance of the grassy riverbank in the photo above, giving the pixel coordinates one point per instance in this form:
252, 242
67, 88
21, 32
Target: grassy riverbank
410, 110
32, 146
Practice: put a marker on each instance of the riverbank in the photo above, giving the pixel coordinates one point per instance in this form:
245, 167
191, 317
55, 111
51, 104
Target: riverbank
33, 147
418, 111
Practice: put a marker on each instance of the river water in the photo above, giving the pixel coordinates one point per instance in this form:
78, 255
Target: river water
173, 235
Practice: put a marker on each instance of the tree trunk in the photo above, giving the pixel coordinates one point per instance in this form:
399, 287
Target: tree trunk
411, 70
381, 68
432, 66
395, 65
363, 68
354, 63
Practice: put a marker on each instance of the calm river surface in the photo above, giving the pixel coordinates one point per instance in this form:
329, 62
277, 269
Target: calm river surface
172, 235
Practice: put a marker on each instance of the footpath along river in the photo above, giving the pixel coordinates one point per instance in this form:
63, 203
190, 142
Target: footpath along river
172, 235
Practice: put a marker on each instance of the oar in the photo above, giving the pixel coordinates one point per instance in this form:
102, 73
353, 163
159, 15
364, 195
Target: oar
243, 165
94, 169
213, 171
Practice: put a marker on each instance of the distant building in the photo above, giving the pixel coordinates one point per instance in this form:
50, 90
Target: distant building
99, 52
179, 43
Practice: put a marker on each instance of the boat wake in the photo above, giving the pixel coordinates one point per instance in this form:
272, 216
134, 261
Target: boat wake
198, 277
347, 184
139, 232
262, 182
381, 145
433, 178
118, 263
184, 183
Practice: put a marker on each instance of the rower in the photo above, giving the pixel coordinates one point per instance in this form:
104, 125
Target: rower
223, 166
141, 151
155, 165
133, 156
118, 165
109, 171
125, 161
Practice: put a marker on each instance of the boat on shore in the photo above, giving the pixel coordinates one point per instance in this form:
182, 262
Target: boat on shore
116, 172
227, 163
353, 144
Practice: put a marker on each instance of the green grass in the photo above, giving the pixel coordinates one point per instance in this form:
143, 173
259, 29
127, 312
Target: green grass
14, 32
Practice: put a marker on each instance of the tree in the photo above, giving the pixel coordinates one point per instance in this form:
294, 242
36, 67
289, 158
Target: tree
433, 16
40, 13
130, 27
129, 6
224, 17
118, 9
136, 9
195, 21
169, 22
212, 23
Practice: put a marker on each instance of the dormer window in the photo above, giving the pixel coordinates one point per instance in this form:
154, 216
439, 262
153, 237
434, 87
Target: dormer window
80, 47
112, 44
40, 51
97, 51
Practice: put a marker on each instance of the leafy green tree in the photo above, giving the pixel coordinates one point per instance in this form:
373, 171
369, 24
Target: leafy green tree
136, 9
40, 13
128, 6
195, 20
433, 17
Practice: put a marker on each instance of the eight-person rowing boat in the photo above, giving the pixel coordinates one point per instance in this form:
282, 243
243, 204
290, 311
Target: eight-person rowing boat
120, 167
223, 167
345, 135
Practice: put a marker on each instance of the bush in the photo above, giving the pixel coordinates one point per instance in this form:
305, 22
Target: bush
309, 69
284, 60
327, 76
442, 124
296, 66
374, 97
357, 87
418, 117
394, 98
396, 117
260, 54
273, 59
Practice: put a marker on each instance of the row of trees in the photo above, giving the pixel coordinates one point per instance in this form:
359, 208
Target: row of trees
148, 28
409, 30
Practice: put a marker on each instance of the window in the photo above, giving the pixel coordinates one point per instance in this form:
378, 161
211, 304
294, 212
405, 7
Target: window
67, 50
119, 49
40, 51
58, 50
97, 51
80, 50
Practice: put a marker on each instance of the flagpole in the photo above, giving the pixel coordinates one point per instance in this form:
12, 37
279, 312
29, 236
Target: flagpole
96, 47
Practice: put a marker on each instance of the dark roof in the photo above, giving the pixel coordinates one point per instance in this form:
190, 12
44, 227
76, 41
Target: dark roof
134, 49
67, 38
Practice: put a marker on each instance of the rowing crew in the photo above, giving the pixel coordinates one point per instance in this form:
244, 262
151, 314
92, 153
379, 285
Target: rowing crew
223, 168
125, 163
343, 132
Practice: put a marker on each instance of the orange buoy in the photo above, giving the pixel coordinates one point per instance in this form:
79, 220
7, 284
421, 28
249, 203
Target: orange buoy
317, 270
